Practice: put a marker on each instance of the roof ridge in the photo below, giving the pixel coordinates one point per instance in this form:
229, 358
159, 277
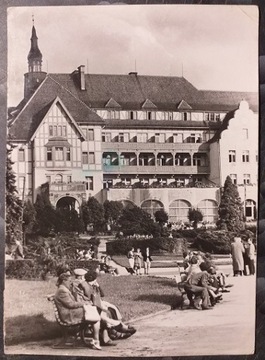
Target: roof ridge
82, 102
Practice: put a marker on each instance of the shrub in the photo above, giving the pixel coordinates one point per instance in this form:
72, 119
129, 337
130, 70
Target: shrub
217, 242
23, 269
38, 269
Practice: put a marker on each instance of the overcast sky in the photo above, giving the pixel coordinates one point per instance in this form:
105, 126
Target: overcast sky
216, 47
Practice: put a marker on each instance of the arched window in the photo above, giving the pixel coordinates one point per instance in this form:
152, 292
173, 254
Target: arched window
209, 209
152, 206
178, 210
127, 204
58, 178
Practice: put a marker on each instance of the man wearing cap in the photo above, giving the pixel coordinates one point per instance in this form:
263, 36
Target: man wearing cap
72, 311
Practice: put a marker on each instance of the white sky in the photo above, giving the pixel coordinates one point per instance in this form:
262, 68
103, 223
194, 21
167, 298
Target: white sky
217, 45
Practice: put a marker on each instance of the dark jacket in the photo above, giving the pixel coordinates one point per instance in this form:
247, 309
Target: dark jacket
199, 279
145, 257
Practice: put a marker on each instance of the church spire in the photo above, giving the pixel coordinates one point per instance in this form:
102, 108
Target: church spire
34, 56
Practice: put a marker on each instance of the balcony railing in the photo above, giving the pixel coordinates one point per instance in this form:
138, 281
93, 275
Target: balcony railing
68, 187
184, 170
128, 147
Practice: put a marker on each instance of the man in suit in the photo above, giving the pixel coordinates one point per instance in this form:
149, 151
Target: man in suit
72, 311
197, 286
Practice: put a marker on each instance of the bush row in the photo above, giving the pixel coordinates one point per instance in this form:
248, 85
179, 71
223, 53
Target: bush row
122, 246
30, 269
218, 241
211, 241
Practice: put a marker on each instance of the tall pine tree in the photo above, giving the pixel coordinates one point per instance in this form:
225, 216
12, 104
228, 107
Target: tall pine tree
231, 215
13, 203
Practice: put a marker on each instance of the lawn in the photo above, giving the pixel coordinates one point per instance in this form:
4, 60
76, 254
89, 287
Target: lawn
29, 316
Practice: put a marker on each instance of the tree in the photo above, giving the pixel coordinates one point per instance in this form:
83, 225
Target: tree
68, 220
230, 210
45, 212
13, 204
29, 218
137, 221
93, 213
161, 217
112, 211
194, 216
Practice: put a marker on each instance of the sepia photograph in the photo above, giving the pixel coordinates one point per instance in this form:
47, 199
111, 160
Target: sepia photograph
131, 180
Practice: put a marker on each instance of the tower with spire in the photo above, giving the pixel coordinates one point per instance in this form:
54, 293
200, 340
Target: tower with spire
35, 75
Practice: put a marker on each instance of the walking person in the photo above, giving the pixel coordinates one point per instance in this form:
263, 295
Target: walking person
246, 258
138, 261
147, 260
130, 257
237, 250
251, 257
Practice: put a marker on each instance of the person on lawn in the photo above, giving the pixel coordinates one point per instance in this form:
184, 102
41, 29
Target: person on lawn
130, 257
71, 311
138, 261
147, 260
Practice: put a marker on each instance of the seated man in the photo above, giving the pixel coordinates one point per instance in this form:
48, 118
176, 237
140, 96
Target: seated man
197, 286
71, 311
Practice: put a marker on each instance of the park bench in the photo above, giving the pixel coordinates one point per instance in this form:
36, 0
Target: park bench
83, 330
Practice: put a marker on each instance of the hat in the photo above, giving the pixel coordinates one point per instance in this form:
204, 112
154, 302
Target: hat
80, 272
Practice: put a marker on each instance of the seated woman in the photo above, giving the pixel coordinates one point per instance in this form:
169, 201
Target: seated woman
71, 311
92, 291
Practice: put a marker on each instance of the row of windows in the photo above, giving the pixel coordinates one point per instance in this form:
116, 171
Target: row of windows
246, 179
167, 115
58, 153
244, 157
59, 130
157, 138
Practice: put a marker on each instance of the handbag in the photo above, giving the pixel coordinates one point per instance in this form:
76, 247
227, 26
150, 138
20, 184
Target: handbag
91, 313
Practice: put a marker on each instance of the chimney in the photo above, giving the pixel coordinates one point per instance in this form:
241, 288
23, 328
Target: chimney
81, 70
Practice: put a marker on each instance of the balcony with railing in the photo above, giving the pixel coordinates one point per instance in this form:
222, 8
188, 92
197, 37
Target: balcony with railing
141, 146
77, 187
156, 169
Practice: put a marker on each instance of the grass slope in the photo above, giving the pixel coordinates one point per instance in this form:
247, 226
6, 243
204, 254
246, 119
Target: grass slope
29, 316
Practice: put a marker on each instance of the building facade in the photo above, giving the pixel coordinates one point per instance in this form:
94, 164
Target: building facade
153, 141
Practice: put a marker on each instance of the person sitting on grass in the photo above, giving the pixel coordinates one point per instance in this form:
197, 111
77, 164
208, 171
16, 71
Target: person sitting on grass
72, 311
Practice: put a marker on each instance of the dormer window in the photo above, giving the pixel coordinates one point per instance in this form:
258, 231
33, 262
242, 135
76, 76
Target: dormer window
132, 115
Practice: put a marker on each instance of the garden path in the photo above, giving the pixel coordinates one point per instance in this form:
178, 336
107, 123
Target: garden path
227, 329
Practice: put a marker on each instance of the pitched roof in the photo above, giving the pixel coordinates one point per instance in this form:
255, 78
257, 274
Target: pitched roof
33, 112
183, 105
165, 92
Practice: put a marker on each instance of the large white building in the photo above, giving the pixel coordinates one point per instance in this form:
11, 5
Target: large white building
153, 141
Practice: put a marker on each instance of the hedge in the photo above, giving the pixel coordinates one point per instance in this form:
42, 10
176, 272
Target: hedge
122, 246
218, 241
37, 269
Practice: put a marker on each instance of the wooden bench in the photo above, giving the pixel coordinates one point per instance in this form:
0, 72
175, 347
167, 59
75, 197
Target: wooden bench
82, 329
